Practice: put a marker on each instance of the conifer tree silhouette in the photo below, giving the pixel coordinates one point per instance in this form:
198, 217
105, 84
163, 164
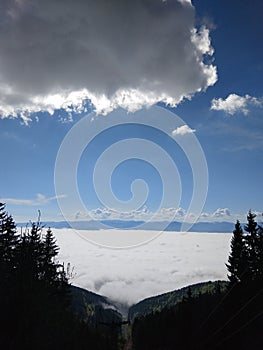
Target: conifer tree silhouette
50, 251
252, 245
260, 254
8, 244
237, 260
35, 299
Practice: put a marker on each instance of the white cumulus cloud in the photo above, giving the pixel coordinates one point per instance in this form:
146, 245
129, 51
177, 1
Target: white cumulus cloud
234, 103
183, 130
221, 212
117, 53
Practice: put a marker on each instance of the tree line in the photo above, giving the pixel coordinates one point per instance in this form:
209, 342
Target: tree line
224, 319
245, 262
35, 295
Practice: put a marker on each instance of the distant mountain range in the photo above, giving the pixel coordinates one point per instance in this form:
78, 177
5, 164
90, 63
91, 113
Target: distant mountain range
222, 226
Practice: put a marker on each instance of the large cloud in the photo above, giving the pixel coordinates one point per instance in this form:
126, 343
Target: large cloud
55, 54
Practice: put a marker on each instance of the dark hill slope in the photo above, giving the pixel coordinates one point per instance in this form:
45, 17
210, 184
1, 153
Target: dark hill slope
157, 303
93, 308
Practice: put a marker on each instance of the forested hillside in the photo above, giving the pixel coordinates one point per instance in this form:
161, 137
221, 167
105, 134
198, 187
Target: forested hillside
167, 300
93, 308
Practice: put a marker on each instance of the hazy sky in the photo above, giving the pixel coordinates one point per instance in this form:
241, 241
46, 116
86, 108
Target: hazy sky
201, 61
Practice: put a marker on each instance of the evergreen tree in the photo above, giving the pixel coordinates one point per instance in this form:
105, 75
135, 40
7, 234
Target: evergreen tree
35, 302
11, 238
237, 261
54, 277
33, 253
260, 254
2, 241
50, 251
8, 264
8, 245
252, 243
3, 216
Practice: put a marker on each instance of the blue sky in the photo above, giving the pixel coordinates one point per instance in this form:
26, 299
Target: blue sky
44, 97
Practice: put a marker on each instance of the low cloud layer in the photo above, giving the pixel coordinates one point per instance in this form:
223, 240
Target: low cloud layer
234, 103
164, 214
130, 54
143, 214
171, 261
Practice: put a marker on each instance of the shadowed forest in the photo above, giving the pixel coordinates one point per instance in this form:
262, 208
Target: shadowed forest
40, 309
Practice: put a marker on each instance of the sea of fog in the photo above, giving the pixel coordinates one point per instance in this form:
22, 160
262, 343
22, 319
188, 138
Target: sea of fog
171, 261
